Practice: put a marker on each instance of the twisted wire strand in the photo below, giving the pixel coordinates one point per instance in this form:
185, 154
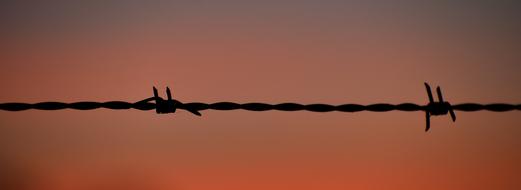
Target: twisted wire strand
144, 106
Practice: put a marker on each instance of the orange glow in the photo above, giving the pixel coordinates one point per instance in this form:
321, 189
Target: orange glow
264, 52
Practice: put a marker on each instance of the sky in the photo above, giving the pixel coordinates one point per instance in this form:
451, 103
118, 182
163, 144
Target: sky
333, 52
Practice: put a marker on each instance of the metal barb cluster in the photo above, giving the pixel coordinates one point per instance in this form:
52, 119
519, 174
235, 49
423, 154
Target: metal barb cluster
169, 105
437, 108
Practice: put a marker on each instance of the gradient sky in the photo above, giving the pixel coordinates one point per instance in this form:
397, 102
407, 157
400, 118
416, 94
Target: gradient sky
262, 51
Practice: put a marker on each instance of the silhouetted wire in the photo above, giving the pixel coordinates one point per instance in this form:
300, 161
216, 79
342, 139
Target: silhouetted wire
382, 107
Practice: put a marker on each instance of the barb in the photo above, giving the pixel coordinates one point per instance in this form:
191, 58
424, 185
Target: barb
437, 108
170, 105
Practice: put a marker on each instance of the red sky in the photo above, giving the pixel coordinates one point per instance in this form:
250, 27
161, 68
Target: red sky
266, 51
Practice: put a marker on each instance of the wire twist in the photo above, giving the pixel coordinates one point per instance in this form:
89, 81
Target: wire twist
381, 107
162, 106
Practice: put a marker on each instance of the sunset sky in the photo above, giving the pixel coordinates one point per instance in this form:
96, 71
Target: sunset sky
327, 51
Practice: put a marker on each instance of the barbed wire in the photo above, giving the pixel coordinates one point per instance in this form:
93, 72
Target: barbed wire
162, 106
380, 107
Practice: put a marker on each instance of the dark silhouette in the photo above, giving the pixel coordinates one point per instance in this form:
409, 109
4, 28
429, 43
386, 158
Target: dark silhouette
170, 105
437, 108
